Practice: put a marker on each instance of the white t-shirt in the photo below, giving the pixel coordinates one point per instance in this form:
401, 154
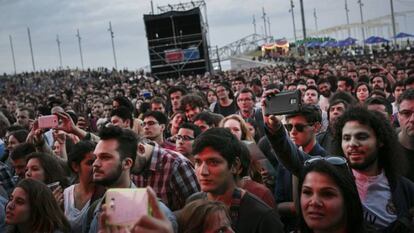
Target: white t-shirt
376, 198
74, 215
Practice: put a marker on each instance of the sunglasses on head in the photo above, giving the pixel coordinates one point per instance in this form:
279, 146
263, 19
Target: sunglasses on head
334, 160
298, 127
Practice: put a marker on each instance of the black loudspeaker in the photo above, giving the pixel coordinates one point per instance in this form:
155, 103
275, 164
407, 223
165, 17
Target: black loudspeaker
177, 43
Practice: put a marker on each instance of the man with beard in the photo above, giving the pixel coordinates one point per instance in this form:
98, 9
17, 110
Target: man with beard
96, 114
175, 94
115, 156
24, 117
370, 145
405, 105
324, 87
379, 82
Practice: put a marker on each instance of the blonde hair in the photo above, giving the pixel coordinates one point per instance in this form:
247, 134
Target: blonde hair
246, 135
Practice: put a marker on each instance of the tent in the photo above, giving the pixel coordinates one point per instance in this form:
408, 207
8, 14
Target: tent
280, 46
350, 40
329, 43
375, 40
313, 44
347, 42
403, 35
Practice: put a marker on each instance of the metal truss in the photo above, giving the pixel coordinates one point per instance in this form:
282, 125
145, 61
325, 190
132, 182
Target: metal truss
181, 6
241, 46
372, 24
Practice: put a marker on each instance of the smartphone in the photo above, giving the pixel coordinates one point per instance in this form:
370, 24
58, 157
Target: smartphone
288, 102
54, 185
375, 70
126, 205
48, 122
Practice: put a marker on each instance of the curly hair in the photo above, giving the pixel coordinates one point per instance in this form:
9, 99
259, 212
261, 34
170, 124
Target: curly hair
389, 152
192, 100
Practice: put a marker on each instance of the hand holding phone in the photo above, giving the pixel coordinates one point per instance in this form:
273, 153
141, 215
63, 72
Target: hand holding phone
125, 206
283, 103
48, 122
156, 222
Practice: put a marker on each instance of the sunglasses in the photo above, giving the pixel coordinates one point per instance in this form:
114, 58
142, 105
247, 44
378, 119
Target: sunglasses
334, 160
299, 127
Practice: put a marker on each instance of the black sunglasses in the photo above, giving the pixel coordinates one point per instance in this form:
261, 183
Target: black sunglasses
299, 127
334, 160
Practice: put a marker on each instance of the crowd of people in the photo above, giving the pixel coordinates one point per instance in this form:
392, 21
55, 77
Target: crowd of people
210, 158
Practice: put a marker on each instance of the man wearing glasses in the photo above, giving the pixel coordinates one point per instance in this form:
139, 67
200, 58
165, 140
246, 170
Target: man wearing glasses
405, 106
154, 125
246, 104
184, 139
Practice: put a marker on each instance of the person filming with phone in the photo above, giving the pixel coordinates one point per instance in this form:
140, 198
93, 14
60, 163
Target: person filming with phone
370, 145
115, 154
302, 126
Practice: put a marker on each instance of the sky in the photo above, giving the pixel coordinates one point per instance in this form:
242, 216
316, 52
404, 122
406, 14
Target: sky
229, 20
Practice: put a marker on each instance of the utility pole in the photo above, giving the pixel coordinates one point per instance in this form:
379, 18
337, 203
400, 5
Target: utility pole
316, 19
31, 48
302, 11
218, 57
303, 19
362, 20
394, 33
80, 48
264, 21
113, 45
268, 22
254, 24
293, 19
347, 17
59, 50
12, 51
152, 7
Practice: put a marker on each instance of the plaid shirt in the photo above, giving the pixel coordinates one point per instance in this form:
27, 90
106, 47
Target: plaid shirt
171, 175
6, 178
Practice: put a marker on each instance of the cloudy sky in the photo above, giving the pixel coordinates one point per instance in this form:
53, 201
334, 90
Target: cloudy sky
229, 20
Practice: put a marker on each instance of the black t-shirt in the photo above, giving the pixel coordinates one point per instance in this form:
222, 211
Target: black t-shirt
254, 215
409, 157
225, 111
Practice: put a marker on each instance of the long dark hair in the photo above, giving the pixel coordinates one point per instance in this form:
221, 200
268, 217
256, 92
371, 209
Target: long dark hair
54, 170
45, 214
343, 178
